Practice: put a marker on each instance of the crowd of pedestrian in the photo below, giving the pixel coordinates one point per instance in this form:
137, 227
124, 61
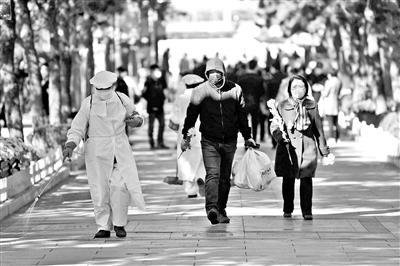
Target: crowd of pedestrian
214, 105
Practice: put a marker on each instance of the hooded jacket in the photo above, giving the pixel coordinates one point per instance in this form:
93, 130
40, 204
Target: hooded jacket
222, 111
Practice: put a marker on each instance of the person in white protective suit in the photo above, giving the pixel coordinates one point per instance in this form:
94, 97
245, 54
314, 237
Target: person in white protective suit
110, 165
190, 163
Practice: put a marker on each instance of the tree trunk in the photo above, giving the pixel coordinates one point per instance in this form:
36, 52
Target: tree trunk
133, 69
7, 74
66, 62
54, 66
144, 34
75, 81
33, 66
90, 57
385, 61
116, 42
125, 55
109, 55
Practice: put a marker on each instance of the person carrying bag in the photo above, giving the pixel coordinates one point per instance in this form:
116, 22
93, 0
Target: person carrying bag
253, 171
297, 128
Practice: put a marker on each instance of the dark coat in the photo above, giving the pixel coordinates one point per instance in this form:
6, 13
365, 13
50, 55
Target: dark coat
222, 114
252, 86
153, 93
303, 145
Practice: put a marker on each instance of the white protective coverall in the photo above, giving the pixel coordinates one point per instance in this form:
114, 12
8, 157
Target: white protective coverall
190, 164
113, 187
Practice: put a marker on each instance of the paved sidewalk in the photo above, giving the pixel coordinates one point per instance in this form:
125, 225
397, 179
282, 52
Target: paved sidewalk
356, 221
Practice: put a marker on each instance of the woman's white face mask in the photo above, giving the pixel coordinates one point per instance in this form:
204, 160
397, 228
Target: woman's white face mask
104, 95
298, 89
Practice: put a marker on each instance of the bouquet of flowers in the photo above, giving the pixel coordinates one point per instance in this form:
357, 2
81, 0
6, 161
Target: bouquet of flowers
277, 118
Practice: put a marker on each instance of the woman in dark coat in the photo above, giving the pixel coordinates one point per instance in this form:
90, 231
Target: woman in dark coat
298, 137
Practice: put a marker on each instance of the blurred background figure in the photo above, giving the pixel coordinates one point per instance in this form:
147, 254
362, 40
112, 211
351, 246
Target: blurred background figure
121, 85
273, 81
184, 65
190, 163
329, 105
154, 92
253, 88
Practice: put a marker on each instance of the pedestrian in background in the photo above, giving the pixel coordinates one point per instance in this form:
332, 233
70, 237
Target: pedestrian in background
252, 85
298, 139
110, 165
184, 66
155, 92
220, 104
329, 104
273, 80
190, 163
121, 84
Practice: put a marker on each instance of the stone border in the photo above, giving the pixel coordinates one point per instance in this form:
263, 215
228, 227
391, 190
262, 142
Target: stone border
27, 196
18, 201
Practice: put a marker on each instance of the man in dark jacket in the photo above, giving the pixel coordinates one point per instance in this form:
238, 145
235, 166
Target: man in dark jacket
121, 84
253, 88
154, 93
220, 104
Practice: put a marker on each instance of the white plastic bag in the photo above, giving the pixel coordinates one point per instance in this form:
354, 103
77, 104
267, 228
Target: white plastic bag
253, 171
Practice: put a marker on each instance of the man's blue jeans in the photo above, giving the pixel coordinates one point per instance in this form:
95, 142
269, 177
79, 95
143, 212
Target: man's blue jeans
218, 158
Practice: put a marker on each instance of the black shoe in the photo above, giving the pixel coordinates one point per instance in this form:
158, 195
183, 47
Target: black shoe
202, 188
162, 146
212, 215
192, 196
223, 218
120, 231
151, 142
172, 180
287, 215
307, 217
102, 234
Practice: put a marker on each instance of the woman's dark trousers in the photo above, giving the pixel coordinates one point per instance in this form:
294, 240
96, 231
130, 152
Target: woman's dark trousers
306, 191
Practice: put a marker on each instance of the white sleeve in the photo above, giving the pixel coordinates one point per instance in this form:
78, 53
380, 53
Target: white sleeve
129, 106
79, 123
128, 103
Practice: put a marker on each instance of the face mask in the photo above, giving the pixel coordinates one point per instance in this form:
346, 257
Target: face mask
298, 89
214, 78
157, 74
104, 94
298, 94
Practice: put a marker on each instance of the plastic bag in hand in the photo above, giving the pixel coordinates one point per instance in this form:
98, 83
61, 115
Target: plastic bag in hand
254, 171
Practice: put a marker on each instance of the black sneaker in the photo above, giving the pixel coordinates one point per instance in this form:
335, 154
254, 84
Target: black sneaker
202, 188
212, 215
102, 234
120, 231
307, 217
223, 218
192, 196
287, 215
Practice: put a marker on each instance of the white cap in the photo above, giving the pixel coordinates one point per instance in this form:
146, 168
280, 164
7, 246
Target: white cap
104, 79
